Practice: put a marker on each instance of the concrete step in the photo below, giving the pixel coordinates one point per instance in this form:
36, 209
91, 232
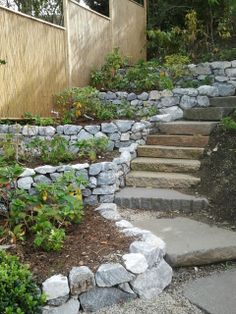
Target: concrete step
170, 152
209, 114
159, 200
178, 140
187, 127
223, 101
161, 180
165, 165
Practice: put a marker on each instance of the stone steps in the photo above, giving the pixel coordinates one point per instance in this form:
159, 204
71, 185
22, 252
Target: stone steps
174, 152
187, 127
161, 180
223, 101
178, 140
209, 114
159, 200
165, 165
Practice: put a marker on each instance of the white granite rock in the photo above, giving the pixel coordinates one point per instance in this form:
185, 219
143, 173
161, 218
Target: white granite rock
136, 263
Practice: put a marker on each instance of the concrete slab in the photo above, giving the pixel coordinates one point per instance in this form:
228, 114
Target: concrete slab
191, 242
214, 294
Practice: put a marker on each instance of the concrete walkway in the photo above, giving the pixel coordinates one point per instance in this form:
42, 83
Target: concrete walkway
215, 294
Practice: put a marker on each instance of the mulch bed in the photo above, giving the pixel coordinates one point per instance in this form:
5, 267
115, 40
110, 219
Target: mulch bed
218, 174
91, 243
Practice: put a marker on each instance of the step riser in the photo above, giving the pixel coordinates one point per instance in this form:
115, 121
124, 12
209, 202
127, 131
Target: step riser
162, 204
184, 129
182, 141
164, 183
207, 114
165, 153
223, 102
181, 168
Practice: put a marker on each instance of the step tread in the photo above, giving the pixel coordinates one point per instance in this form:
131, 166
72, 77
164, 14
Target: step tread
157, 175
200, 149
229, 101
145, 160
168, 194
187, 127
210, 113
178, 140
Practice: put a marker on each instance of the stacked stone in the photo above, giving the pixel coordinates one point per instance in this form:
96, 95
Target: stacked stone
142, 273
103, 178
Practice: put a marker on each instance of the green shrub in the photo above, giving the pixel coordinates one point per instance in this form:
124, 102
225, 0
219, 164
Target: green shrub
19, 293
229, 123
92, 148
176, 65
44, 214
52, 151
37, 120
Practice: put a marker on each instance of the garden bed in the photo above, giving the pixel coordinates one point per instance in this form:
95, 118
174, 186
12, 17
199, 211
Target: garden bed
93, 242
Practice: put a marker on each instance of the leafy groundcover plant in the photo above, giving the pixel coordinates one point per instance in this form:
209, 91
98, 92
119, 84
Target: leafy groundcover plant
19, 293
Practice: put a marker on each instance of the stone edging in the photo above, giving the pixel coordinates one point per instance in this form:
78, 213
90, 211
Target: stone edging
143, 273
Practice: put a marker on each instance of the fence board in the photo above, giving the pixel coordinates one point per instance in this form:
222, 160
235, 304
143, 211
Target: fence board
35, 53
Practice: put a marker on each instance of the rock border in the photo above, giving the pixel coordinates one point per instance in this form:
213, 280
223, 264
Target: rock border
143, 273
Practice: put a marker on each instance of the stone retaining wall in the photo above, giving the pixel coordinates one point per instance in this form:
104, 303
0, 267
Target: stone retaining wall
141, 273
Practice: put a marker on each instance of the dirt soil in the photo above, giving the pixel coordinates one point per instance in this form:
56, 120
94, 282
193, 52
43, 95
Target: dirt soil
218, 174
93, 242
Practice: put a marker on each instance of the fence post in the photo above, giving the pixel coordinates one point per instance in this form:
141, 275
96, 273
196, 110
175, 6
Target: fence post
67, 40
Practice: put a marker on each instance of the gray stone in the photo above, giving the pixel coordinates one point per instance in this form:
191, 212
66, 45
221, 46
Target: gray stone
186, 91
109, 211
175, 112
188, 102
225, 89
92, 182
60, 129
200, 69
95, 169
134, 232
124, 125
93, 129
108, 199
136, 263
169, 101
79, 167
28, 172
144, 96
25, 183
70, 307
151, 251
136, 103
151, 283
108, 177
56, 287
221, 79
102, 95
117, 102
98, 298
233, 63
55, 176
83, 173
86, 192
124, 224
91, 200
166, 93
81, 279
114, 136
47, 131
214, 294
100, 134
112, 274
84, 135
125, 137
155, 95
191, 242
131, 96
152, 239
109, 127
30, 130
105, 189
45, 169
70, 129
14, 129
122, 95
207, 90
220, 64
4, 128
42, 179
161, 118
138, 126
110, 95
126, 288
203, 101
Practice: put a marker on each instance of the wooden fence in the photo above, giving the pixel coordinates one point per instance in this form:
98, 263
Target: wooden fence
43, 59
